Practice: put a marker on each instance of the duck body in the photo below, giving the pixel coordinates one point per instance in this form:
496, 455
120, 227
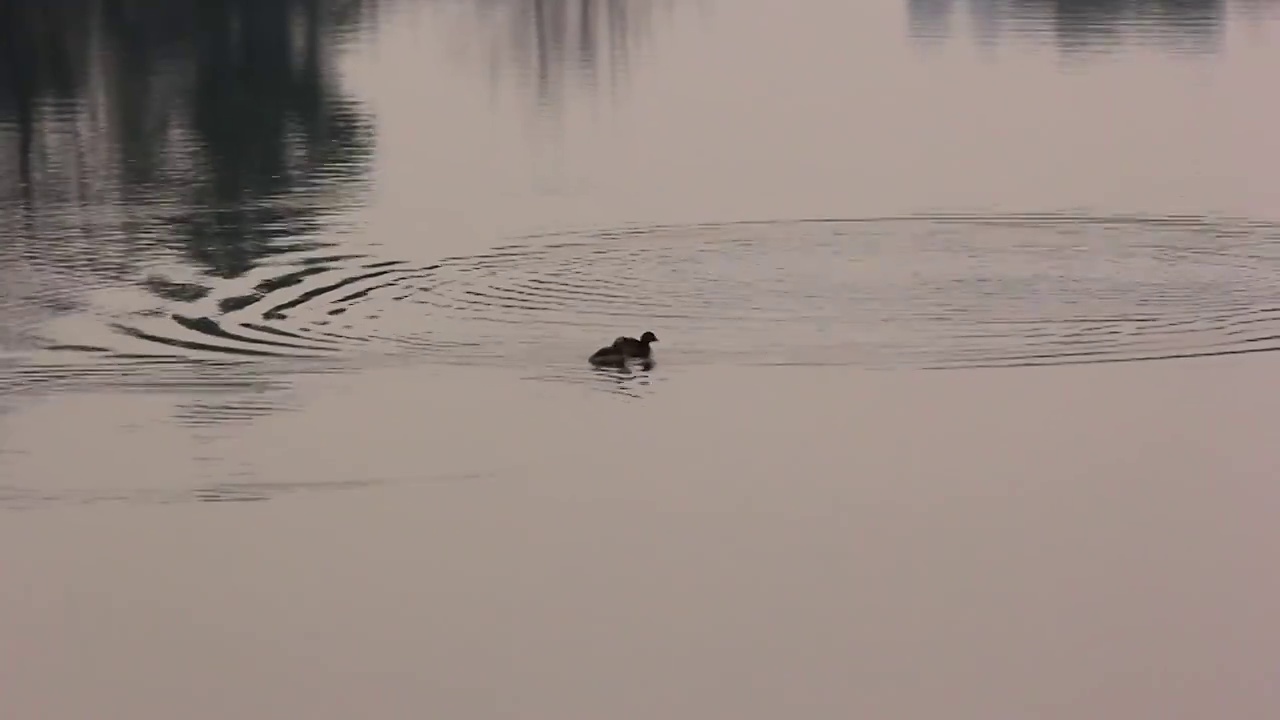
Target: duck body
623, 349
609, 356
636, 348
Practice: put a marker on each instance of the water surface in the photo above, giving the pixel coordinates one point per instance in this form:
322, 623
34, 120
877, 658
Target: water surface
967, 311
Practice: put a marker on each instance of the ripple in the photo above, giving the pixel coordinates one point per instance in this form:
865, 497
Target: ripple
17, 498
937, 291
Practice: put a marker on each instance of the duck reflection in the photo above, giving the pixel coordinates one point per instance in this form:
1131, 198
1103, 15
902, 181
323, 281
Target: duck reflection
624, 379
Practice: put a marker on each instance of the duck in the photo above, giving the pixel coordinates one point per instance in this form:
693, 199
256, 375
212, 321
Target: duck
624, 348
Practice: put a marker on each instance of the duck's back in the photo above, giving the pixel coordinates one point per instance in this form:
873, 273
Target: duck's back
636, 348
623, 347
609, 354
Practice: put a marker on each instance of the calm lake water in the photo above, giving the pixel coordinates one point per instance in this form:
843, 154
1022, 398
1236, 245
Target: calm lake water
965, 315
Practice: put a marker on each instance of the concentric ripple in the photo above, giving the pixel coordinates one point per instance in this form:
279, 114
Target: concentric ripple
925, 292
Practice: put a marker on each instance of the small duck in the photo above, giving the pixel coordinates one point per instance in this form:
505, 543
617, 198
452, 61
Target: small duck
624, 348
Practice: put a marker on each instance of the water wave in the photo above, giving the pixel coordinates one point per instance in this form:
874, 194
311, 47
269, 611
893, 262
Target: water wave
939, 291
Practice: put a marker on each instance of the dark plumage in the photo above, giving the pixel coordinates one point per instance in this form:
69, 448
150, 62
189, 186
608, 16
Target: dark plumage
623, 349
636, 348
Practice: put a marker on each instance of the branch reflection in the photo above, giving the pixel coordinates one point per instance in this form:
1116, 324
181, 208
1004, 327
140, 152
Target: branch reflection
1077, 25
214, 128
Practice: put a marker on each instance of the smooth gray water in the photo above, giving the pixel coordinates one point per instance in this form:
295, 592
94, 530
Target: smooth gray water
967, 314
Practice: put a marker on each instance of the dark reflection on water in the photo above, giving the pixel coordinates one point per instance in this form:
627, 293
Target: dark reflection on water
177, 171
631, 382
16, 497
1075, 26
554, 46
206, 135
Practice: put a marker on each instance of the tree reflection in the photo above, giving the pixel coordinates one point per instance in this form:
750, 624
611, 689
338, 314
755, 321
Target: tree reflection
553, 44
215, 126
1188, 25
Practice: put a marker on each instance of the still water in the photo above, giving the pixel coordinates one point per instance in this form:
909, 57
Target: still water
350, 257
